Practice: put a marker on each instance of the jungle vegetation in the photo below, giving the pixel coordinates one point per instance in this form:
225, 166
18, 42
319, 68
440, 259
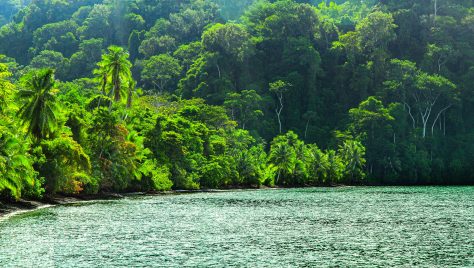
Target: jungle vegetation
152, 95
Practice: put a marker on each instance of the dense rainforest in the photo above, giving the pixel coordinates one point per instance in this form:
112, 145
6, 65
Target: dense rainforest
152, 95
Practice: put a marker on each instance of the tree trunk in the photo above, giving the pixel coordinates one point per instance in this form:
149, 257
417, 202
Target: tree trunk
117, 92
278, 111
279, 120
411, 115
437, 117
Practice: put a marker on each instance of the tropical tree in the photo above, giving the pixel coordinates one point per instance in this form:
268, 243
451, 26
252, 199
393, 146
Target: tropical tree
159, 71
352, 153
16, 170
371, 123
248, 164
335, 167
102, 76
117, 66
230, 40
279, 88
317, 165
426, 97
65, 165
40, 108
244, 107
285, 155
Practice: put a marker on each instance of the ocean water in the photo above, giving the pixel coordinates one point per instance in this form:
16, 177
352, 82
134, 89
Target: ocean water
313, 227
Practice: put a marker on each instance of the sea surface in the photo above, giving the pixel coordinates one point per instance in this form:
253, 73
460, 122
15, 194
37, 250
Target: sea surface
313, 227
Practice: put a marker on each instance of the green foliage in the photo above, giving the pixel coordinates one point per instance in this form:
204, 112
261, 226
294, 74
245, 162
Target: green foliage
39, 109
244, 106
6, 88
17, 176
160, 72
114, 157
371, 124
283, 156
86, 58
16, 171
58, 36
318, 165
158, 176
116, 68
66, 166
353, 156
297, 163
384, 88
7, 9
229, 40
51, 59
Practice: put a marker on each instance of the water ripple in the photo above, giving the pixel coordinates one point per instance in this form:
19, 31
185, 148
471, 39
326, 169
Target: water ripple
321, 227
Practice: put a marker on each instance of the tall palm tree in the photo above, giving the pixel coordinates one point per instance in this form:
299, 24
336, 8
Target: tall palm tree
39, 110
117, 66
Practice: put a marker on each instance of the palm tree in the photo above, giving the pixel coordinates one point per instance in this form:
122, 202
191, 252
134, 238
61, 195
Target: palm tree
335, 167
117, 66
40, 104
283, 157
15, 168
353, 153
102, 77
318, 166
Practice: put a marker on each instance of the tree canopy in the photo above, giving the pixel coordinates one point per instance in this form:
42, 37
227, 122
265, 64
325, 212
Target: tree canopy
151, 95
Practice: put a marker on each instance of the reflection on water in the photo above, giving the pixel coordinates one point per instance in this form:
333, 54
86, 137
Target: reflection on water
341, 227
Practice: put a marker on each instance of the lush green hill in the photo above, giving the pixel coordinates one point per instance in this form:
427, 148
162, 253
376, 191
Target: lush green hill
153, 94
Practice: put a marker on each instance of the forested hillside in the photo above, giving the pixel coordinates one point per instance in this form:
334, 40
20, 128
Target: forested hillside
151, 95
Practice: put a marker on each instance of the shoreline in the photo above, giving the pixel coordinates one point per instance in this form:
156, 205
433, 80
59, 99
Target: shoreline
12, 208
